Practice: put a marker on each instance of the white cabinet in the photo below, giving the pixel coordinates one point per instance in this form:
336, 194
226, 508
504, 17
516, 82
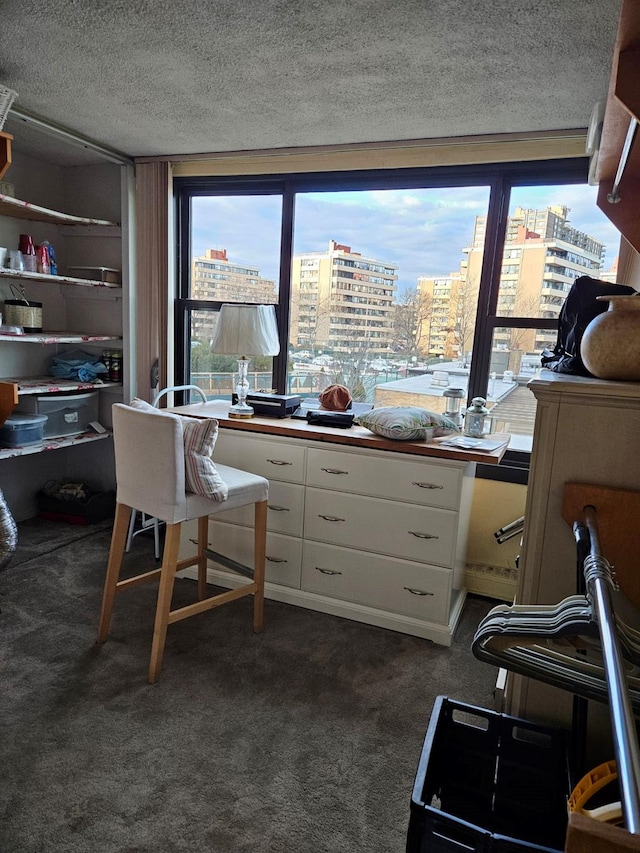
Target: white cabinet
375, 536
586, 431
86, 313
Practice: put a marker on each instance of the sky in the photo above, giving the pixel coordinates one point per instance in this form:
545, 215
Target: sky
422, 231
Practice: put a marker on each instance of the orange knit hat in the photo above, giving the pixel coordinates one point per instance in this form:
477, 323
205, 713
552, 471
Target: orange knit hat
336, 398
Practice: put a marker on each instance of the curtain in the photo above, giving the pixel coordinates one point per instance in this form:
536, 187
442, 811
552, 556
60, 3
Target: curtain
151, 320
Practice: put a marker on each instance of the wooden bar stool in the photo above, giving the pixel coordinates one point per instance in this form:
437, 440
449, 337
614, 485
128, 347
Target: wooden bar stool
150, 476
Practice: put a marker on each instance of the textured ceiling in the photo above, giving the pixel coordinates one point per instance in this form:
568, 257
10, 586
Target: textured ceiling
175, 77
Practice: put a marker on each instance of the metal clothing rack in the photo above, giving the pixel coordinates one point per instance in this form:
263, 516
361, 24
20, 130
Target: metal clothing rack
588, 644
599, 579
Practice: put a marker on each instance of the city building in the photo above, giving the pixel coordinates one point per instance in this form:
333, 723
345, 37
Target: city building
440, 328
543, 255
217, 279
342, 302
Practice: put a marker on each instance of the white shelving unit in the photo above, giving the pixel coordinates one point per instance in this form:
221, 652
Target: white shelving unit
53, 444
18, 209
26, 277
52, 385
56, 338
77, 312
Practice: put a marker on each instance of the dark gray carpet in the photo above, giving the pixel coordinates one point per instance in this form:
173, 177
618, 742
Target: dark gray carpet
304, 738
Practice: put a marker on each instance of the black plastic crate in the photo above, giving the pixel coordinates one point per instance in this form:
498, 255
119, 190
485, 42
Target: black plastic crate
489, 783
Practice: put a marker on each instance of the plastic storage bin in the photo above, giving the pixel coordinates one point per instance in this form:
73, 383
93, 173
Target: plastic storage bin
96, 507
67, 414
19, 430
488, 783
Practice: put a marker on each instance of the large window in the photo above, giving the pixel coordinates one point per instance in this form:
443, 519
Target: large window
398, 284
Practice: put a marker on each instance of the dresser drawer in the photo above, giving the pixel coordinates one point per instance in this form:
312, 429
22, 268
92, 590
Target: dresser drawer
284, 553
275, 460
285, 507
424, 534
374, 581
415, 480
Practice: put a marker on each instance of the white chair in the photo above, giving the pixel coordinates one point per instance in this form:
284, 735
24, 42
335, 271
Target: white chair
150, 475
148, 522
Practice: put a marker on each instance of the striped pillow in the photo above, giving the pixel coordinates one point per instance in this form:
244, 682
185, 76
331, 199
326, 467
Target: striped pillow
199, 436
201, 474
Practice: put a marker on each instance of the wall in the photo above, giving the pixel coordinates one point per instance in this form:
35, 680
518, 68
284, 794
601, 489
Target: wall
491, 568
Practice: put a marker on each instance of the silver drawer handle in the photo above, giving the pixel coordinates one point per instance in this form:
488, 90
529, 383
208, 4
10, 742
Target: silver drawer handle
426, 485
275, 559
327, 571
279, 462
333, 471
331, 518
417, 591
276, 508
422, 535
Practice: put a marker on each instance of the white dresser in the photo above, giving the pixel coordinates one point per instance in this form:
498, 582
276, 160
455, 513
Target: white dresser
586, 431
371, 534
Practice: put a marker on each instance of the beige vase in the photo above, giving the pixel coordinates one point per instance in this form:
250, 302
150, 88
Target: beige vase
610, 345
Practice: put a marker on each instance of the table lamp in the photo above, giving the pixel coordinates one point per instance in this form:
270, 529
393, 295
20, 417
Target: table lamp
245, 331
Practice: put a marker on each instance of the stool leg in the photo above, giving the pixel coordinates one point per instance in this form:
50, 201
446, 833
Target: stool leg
259, 551
165, 592
116, 551
203, 537
156, 538
132, 524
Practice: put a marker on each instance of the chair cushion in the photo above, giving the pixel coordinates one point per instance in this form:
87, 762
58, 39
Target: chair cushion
199, 437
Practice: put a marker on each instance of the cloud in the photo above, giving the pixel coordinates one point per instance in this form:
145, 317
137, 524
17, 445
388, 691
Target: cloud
421, 231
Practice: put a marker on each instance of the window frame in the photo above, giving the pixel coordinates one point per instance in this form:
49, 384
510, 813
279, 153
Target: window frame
500, 178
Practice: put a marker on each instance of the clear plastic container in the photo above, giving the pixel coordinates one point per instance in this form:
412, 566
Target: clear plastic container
22, 429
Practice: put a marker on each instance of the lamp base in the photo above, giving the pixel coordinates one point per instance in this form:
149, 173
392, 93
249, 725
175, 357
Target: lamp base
241, 410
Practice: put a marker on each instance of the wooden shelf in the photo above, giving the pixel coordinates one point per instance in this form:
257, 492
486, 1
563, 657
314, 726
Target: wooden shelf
623, 104
56, 338
20, 275
53, 444
18, 209
5, 152
53, 385
8, 399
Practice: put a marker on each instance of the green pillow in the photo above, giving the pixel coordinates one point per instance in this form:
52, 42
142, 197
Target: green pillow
406, 423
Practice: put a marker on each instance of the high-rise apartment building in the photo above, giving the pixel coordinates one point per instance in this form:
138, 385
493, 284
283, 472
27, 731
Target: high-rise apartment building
438, 300
217, 279
342, 302
542, 257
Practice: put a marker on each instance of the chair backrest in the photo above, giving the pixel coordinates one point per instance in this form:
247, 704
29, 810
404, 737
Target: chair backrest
149, 453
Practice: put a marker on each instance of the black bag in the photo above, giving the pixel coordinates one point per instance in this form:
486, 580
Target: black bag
579, 309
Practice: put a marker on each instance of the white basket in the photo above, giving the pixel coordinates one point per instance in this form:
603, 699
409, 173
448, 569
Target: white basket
7, 97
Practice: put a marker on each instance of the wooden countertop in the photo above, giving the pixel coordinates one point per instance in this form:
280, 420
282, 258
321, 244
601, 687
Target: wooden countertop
355, 436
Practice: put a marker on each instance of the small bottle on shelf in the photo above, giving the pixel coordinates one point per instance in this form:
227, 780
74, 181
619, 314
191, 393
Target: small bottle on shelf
106, 360
42, 258
28, 253
53, 264
115, 370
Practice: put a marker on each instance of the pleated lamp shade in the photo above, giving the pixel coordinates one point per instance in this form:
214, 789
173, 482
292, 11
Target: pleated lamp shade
246, 330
